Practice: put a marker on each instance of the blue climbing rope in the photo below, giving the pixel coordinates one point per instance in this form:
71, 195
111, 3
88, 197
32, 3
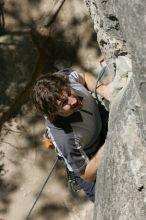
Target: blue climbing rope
99, 76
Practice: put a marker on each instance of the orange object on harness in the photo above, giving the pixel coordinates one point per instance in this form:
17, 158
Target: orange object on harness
47, 143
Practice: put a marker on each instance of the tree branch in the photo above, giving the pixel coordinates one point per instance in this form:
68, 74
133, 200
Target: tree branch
54, 13
23, 97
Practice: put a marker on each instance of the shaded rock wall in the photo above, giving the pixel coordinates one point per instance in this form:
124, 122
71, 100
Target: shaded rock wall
121, 180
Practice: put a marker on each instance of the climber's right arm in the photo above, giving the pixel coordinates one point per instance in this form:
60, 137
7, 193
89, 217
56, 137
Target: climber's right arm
90, 171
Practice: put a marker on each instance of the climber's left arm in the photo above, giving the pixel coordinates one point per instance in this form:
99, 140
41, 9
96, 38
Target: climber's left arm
89, 81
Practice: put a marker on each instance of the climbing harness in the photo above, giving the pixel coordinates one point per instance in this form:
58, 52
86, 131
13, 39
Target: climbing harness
43, 186
2, 19
47, 143
99, 76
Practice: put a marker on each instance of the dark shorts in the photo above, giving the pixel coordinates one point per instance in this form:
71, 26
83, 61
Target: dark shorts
88, 187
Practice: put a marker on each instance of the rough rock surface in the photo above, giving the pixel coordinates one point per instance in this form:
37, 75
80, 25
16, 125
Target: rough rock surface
121, 180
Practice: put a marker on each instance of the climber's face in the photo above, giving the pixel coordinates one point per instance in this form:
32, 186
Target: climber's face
68, 103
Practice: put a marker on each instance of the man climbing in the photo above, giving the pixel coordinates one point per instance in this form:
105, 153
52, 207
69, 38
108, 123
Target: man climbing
74, 122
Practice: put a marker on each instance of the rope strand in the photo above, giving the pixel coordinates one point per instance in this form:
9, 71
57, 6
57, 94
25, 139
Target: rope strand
43, 186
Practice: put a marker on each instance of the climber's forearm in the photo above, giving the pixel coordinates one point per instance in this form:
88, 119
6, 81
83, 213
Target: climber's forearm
88, 80
105, 91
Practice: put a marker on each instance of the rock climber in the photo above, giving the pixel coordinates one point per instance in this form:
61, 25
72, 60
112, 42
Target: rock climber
76, 124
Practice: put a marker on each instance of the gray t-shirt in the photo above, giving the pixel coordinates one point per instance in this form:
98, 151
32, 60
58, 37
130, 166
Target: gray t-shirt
77, 136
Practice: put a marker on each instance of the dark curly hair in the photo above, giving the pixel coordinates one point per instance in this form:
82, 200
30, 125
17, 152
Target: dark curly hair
47, 90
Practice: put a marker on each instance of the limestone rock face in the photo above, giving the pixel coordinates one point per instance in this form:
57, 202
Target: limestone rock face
121, 179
